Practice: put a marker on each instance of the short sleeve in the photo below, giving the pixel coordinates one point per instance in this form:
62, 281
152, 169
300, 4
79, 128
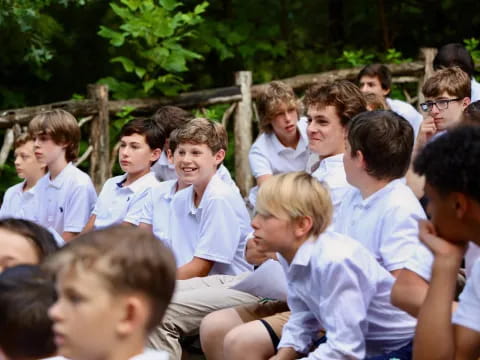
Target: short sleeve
137, 207
420, 262
259, 162
80, 205
468, 310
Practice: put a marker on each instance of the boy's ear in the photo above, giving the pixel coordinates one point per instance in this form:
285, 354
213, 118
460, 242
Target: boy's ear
134, 315
169, 156
155, 155
461, 204
303, 225
465, 102
220, 156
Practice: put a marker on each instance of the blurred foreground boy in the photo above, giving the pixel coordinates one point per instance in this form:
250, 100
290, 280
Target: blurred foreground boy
113, 288
454, 206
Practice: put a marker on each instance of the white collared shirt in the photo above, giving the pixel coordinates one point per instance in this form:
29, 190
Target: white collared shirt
268, 156
150, 354
407, 111
475, 90
115, 200
163, 170
216, 230
335, 284
386, 222
468, 310
421, 261
19, 204
65, 203
154, 209
332, 172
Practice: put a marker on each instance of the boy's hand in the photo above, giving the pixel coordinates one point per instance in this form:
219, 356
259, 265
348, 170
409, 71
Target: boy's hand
426, 132
440, 248
255, 252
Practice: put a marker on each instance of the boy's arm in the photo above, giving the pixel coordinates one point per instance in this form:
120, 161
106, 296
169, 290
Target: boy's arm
90, 224
409, 292
467, 343
197, 267
434, 335
68, 235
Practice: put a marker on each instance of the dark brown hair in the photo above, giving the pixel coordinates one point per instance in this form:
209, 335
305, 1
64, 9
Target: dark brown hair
380, 71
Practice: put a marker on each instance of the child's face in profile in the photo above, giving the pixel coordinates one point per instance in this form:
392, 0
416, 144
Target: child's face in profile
85, 316
284, 121
135, 155
16, 249
46, 150
26, 164
448, 117
351, 164
272, 234
195, 164
326, 134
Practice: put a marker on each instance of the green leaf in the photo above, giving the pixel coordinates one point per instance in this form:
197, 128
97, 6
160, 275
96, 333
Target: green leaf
169, 4
148, 85
128, 64
116, 39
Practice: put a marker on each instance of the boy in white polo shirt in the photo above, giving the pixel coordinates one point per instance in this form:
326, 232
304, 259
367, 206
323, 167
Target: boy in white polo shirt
19, 200
141, 142
209, 220
381, 212
335, 284
283, 145
451, 184
66, 195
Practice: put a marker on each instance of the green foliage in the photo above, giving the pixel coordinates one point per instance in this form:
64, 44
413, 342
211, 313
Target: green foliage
393, 56
472, 46
355, 58
149, 42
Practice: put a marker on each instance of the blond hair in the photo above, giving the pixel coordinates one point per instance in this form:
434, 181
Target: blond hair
275, 94
293, 195
128, 260
453, 81
22, 139
62, 128
201, 131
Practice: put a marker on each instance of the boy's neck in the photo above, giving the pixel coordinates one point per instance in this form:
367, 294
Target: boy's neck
290, 142
31, 181
126, 350
132, 177
289, 253
180, 185
56, 167
199, 190
370, 186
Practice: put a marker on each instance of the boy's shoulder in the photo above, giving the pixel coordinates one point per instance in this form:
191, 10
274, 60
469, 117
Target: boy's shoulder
164, 189
12, 190
71, 175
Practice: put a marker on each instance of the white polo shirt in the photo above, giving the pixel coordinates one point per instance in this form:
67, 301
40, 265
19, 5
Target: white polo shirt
65, 204
163, 170
216, 230
386, 222
407, 111
421, 261
154, 209
468, 310
475, 90
20, 204
332, 172
115, 200
335, 284
268, 156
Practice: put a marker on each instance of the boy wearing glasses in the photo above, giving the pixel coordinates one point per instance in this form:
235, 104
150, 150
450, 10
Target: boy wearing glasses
447, 94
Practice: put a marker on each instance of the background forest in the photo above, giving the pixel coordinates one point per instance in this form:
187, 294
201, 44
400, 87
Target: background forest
51, 49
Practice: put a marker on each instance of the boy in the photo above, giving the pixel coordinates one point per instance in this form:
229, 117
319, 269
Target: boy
141, 142
377, 79
168, 118
209, 221
455, 54
282, 145
66, 195
19, 200
113, 287
447, 94
335, 284
26, 293
451, 184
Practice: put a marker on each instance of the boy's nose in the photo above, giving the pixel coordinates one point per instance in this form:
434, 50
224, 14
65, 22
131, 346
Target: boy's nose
53, 311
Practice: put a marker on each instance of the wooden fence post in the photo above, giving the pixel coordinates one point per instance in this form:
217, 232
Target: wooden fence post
243, 132
427, 54
99, 136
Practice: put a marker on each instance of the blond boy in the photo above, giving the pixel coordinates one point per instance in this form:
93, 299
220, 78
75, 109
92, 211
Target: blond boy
66, 194
113, 288
19, 200
335, 284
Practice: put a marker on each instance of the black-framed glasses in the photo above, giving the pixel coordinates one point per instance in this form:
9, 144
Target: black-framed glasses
440, 104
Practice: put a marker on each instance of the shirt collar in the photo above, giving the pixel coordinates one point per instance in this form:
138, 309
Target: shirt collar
168, 195
60, 179
163, 161
378, 195
301, 146
211, 184
138, 184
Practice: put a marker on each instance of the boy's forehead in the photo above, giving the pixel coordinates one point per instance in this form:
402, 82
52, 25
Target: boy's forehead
134, 137
443, 95
281, 104
367, 78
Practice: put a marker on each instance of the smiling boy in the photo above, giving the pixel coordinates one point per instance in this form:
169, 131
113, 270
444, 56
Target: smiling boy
141, 142
19, 200
66, 194
209, 220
